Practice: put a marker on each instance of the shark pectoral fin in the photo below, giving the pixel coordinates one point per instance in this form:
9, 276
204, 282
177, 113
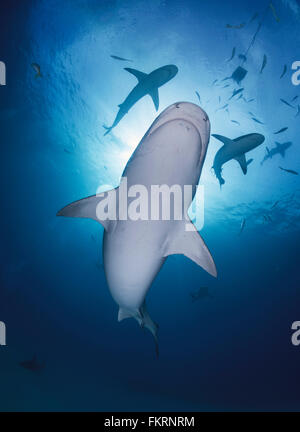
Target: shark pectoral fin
222, 138
138, 74
155, 97
242, 161
188, 242
96, 207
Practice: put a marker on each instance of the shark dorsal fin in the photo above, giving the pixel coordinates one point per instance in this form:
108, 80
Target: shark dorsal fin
155, 97
138, 74
222, 138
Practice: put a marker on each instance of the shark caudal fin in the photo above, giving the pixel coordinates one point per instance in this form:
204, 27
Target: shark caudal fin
218, 174
143, 318
108, 129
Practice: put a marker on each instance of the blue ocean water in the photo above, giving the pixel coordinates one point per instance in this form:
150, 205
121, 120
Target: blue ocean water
229, 352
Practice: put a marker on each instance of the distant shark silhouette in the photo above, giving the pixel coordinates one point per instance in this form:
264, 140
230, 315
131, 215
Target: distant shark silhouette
201, 293
279, 149
32, 364
148, 84
235, 149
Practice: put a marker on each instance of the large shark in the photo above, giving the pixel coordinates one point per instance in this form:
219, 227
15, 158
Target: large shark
279, 149
148, 84
172, 152
235, 149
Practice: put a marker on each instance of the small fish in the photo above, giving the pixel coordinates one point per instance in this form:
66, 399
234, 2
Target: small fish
251, 100
251, 113
294, 98
232, 55
240, 96
275, 204
239, 26
223, 107
274, 12
287, 103
120, 58
37, 69
198, 96
219, 99
254, 17
235, 121
267, 218
68, 151
298, 111
242, 226
264, 63
284, 71
257, 121
289, 171
215, 81
235, 92
281, 130
242, 57
226, 85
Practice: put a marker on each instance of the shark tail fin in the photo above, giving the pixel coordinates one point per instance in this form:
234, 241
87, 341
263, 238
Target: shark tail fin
221, 181
143, 318
108, 129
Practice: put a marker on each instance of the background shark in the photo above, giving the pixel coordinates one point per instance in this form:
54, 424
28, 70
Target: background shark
235, 149
147, 84
33, 364
279, 149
